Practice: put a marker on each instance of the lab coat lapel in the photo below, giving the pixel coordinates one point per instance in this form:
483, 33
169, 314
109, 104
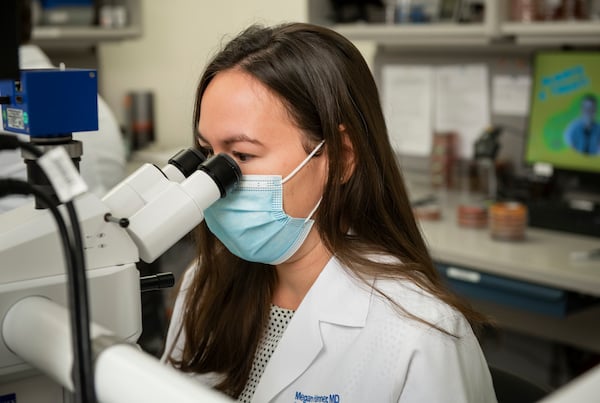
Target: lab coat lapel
333, 298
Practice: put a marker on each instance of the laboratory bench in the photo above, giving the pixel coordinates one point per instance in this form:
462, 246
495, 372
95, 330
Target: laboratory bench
532, 286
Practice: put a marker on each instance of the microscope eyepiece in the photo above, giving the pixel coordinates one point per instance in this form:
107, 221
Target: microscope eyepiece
223, 170
187, 161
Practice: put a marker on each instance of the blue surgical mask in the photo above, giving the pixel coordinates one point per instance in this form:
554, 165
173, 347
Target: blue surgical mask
251, 223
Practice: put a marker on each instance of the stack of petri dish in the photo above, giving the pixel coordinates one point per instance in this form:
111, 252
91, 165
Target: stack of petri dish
428, 212
472, 216
508, 221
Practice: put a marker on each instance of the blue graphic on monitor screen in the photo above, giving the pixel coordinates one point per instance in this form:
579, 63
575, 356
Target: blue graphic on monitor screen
564, 82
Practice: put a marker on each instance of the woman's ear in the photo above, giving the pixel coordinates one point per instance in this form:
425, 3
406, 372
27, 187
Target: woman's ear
348, 154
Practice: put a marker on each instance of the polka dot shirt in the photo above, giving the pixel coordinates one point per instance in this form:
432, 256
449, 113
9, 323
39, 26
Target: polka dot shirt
278, 321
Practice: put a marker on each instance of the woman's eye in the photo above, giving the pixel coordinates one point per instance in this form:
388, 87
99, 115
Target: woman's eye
241, 156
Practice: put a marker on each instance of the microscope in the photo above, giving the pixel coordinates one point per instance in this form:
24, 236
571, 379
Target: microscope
138, 219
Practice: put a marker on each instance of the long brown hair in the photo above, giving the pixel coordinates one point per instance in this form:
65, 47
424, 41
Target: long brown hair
325, 84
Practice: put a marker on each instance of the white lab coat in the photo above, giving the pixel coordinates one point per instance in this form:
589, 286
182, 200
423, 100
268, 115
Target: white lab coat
103, 161
347, 344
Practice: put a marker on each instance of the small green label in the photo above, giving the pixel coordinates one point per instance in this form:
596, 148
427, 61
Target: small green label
26, 118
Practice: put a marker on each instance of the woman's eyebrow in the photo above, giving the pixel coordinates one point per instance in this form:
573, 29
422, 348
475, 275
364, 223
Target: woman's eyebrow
238, 138
241, 138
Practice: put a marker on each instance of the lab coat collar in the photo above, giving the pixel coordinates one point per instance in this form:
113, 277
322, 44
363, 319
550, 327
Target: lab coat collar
336, 298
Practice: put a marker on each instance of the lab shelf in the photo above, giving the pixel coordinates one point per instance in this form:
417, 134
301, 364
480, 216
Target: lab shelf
552, 33
417, 34
566, 28
580, 33
81, 36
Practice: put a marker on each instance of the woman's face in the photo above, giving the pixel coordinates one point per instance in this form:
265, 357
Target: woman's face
241, 117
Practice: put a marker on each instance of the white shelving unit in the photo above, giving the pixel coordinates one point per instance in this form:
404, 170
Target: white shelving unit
495, 31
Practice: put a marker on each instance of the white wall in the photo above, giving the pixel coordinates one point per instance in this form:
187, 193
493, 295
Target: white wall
179, 36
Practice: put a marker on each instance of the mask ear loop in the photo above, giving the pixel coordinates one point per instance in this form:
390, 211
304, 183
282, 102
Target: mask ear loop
303, 163
313, 210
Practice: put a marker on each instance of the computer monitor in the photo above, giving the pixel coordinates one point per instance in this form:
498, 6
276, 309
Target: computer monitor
564, 122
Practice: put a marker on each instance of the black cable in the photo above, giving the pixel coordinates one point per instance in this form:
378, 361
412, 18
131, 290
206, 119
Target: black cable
17, 186
83, 376
8, 142
80, 320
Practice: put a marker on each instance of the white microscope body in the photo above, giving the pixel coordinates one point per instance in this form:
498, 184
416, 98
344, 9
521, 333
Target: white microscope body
161, 206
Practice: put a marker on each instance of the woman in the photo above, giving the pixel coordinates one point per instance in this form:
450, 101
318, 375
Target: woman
340, 303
